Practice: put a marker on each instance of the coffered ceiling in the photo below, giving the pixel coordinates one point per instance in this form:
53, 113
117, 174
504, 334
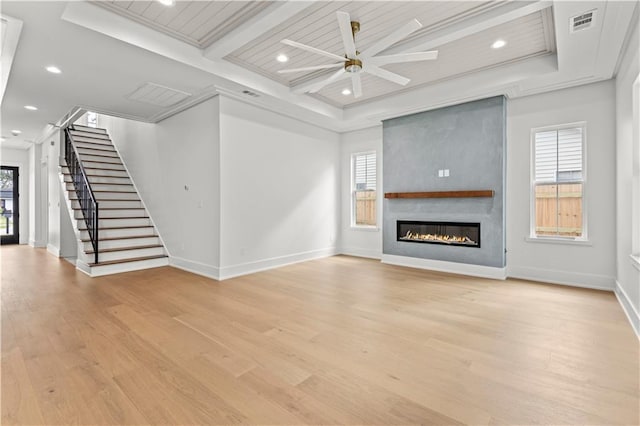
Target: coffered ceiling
109, 49
198, 23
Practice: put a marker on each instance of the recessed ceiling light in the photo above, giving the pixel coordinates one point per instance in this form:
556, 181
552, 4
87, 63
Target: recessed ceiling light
30, 107
53, 69
346, 92
282, 58
16, 132
498, 44
167, 2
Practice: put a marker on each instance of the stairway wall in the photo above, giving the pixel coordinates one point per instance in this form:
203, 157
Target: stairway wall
174, 165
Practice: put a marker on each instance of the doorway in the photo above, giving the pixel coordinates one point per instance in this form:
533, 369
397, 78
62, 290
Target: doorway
9, 205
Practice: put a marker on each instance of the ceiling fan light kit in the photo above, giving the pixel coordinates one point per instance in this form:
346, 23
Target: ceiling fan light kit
354, 63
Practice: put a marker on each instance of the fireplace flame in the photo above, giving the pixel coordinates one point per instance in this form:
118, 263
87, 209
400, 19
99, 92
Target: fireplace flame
437, 237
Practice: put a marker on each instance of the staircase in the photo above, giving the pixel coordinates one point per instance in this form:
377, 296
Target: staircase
127, 239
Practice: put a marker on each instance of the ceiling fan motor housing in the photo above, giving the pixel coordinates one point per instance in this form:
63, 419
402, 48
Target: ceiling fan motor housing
353, 65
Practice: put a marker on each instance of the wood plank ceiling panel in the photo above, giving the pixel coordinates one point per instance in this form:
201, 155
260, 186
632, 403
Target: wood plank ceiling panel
525, 38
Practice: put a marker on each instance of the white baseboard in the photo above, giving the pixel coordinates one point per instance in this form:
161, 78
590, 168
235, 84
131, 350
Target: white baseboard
227, 272
573, 279
361, 252
195, 267
37, 244
632, 314
444, 266
53, 250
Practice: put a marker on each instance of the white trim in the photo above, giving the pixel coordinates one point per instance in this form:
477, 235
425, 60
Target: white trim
532, 179
366, 228
53, 250
444, 266
361, 252
559, 240
635, 261
630, 311
573, 279
232, 271
37, 244
194, 267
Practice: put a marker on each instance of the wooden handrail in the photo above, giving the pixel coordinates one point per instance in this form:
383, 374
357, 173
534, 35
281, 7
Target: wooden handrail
483, 193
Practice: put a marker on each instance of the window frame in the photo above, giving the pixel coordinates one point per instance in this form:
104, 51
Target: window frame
352, 194
584, 238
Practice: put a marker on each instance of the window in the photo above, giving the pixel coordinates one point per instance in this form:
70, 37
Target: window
92, 119
363, 189
558, 182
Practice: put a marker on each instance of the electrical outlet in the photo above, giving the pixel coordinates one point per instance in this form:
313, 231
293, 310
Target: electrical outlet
440, 173
446, 172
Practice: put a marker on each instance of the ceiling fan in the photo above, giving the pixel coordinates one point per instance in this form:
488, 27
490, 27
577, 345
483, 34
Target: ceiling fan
354, 62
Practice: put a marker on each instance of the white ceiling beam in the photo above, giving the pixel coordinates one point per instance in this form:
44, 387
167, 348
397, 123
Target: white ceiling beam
272, 16
463, 28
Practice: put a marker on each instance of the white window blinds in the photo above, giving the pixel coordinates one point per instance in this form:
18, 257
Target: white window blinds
365, 172
558, 155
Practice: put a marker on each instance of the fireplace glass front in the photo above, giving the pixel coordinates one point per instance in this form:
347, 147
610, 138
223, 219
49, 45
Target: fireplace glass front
449, 233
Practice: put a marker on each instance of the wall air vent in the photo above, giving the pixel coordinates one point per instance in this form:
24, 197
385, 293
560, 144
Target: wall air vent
157, 95
582, 21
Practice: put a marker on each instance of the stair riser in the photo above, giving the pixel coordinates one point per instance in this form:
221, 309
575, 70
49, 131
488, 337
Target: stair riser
90, 129
114, 223
106, 196
89, 145
104, 187
113, 173
120, 255
117, 233
107, 166
113, 204
96, 271
98, 158
91, 135
133, 242
106, 151
99, 179
114, 213
98, 143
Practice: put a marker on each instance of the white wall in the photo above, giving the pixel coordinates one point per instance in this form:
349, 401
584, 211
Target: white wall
280, 186
20, 158
628, 158
354, 241
175, 167
590, 265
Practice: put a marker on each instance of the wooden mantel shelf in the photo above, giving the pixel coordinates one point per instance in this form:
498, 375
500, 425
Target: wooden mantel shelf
486, 193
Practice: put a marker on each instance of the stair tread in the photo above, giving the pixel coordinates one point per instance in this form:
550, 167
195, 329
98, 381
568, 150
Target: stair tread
96, 149
106, 136
107, 176
134, 259
128, 248
101, 162
133, 237
82, 154
118, 227
110, 199
102, 168
105, 183
125, 217
112, 208
73, 127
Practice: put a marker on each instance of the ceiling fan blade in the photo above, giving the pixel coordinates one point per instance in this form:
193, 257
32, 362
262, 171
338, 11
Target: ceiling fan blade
392, 38
313, 50
317, 67
403, 57
357, 84
338, 75
387, 75
344, 20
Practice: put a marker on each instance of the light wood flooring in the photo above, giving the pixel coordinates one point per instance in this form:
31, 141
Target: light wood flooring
334, 341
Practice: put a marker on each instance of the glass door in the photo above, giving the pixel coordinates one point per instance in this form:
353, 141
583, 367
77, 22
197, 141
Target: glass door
9, 206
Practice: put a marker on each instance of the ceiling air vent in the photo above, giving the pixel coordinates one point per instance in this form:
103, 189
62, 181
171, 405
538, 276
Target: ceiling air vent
583, 21
250, 93
155, 94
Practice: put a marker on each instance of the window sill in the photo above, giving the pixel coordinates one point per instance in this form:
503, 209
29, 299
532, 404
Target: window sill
364, 228
564, 241
635, 261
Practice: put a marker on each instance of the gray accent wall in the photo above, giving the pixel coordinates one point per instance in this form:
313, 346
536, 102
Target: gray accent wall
467, 139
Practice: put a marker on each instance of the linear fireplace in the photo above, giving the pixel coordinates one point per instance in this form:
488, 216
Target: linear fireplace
449, 233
